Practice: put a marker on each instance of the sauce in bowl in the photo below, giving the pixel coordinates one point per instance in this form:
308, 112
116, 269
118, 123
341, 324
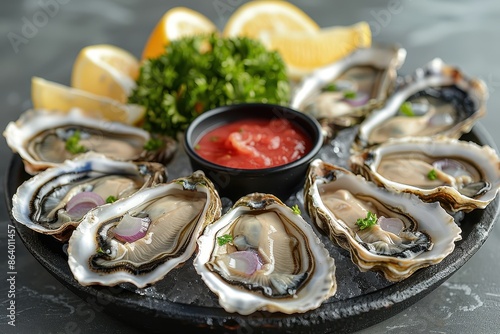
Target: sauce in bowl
254, 144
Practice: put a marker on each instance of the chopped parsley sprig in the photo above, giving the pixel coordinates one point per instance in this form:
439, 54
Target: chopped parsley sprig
432, 175
332, 87
73, 143
369, 221
225, 239
407, 109
350, 94
111, 199
296, 210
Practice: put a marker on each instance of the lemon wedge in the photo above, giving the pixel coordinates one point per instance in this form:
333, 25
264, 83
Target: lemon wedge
105, 70
303, 52
174, 24
252, 18
53, 96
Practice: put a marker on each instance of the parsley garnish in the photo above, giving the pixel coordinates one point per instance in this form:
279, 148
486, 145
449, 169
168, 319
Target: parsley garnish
407, 109
199, 73
370, 220
111, 199
101, 251
432, 175
296, 209
350, 94
153, 144
330, 88
226, 238
72, 143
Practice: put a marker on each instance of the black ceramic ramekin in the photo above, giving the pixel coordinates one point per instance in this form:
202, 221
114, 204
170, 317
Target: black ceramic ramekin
281, 181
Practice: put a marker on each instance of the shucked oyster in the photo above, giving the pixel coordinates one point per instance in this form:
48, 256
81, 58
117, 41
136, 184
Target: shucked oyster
436, 100
141, 238
46, 138
343, 93
262, 256
461, 175
54, 201
395, 233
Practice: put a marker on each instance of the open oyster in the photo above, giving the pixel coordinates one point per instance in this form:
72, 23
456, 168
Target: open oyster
141, 238
436, 99
343, 93
262, 256
47, 138
461, 175
54, 201
395, 233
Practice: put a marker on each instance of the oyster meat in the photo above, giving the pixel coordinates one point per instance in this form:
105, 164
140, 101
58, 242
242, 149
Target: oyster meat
263, 256
141, 238
44, 138
436, 100
395, 233
460, 175
54, 201
342, 94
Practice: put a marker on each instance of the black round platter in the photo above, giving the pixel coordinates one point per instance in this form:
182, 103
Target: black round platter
182, 299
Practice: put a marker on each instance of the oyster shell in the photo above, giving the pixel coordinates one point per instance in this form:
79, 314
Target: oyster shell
40, 203
369, 74
275, 262
436, 99
409, 234
466, 175
40, 137
171, 216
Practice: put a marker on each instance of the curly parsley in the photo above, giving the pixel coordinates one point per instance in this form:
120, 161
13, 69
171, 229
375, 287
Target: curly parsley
111, 199
332, 87
296, 209
407, 109
73, 143
225, 239
350, 94
432, 175
369, 221
198, 73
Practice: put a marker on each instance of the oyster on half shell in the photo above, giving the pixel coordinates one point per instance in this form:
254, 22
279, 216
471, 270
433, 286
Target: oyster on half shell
437, 99
54, 201
141, 238
460, 175
344, 93
406, 234
41, 137
272, 261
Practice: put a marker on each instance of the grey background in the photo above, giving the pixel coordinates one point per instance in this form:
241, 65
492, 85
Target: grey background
463, 33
